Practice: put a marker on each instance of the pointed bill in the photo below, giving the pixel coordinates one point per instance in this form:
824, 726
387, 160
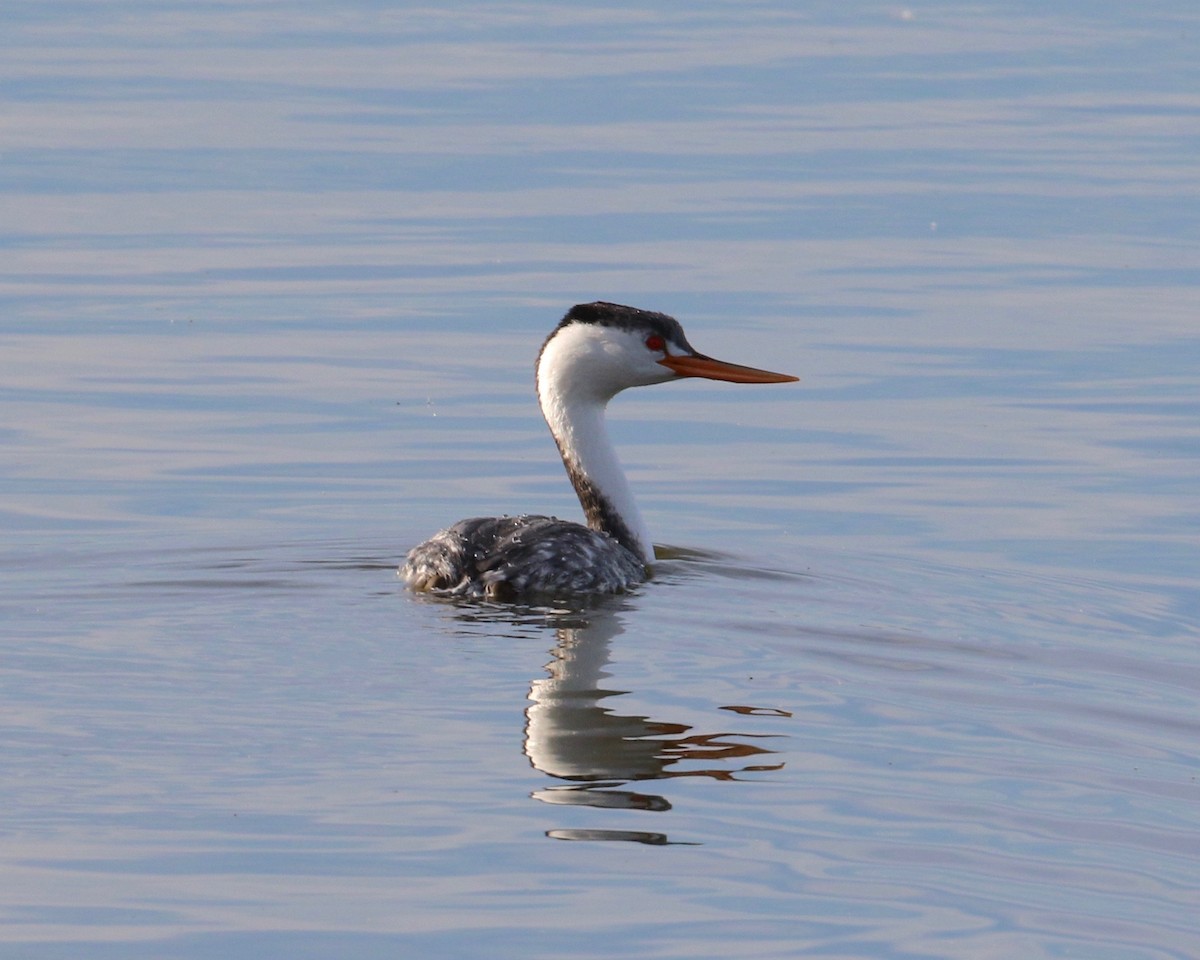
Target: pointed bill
698, 365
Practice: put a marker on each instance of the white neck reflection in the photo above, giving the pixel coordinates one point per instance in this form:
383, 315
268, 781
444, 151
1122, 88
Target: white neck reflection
572, 734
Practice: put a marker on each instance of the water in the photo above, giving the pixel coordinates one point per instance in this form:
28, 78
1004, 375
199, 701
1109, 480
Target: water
918, 676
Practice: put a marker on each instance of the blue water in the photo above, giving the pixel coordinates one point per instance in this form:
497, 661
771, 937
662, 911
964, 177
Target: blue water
918, 674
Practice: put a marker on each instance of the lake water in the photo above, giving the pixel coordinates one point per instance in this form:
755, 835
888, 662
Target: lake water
919, 675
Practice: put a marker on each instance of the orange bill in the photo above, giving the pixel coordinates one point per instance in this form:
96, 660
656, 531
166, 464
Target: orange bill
698, 365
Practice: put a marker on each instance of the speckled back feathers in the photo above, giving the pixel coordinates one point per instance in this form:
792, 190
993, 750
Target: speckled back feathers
506, 557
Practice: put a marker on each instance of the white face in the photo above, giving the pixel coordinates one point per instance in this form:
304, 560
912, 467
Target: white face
597, 362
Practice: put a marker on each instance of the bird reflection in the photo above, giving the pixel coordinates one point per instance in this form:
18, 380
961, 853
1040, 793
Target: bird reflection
572, 733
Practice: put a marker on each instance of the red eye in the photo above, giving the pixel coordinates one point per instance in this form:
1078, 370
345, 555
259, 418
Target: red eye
655, 342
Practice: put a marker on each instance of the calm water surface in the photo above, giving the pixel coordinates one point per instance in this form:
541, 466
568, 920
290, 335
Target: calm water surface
918, 675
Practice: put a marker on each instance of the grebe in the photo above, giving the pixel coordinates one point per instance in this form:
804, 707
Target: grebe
595, 352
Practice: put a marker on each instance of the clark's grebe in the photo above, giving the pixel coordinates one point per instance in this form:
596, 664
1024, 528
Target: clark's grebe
596, 351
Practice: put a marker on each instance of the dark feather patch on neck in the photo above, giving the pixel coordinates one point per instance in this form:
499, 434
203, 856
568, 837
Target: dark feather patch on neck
599, 512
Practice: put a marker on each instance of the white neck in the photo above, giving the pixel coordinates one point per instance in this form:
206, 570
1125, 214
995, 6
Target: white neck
574, 410
581, 433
